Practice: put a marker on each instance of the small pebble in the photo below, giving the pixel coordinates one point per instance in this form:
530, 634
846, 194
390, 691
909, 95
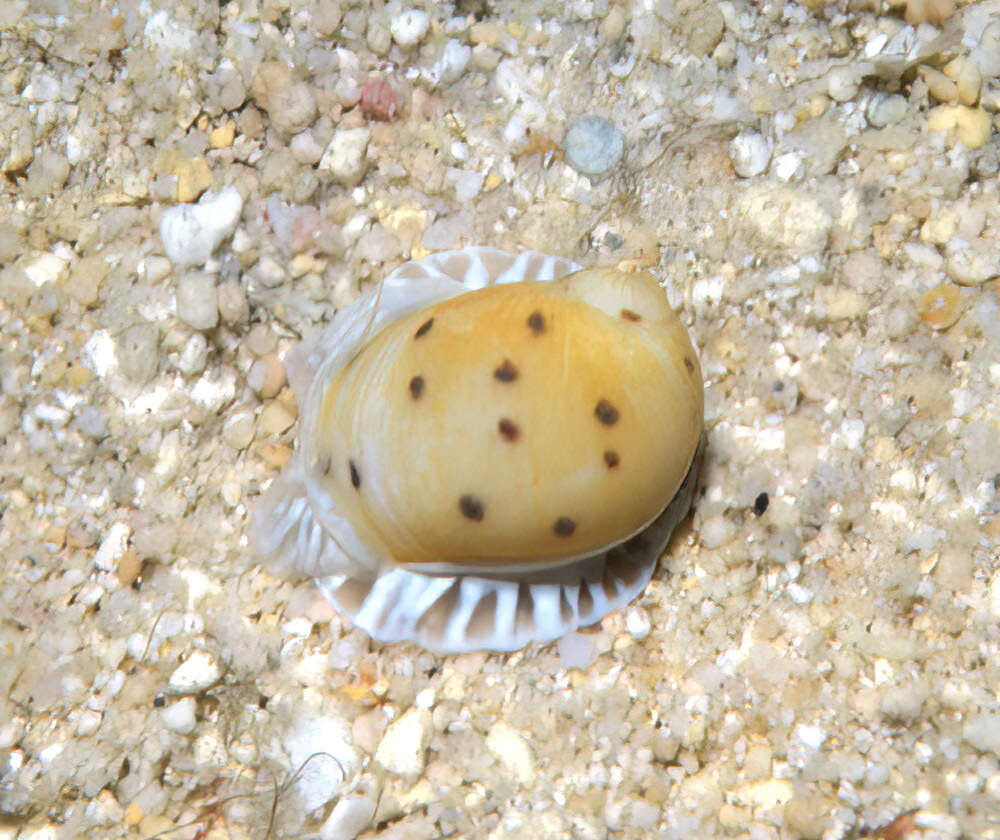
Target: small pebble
261, 340
238, 430
750, 153
93, 422
153, 268
222, 136
637, 622
193, 178
104, 810
972, 263
275, 418
85, 279
808, 817
350, 816
987, 54
326, 17
198, 672
968, 79
716, 531
47, 173
934, 12
380, 100
972, 126
345, 155
509, 748
787, 166
939, 85
842, 83
454, 59
232, 300
290, 103
267, 376
209, 750
593, 145
612, 27
577, 650
88, 723
409, 26
305, 149
197, 300
137, 353
404, 745
320, 778
787, 217
983, 733
194, 355
941, 227
179, 717
886, 109
191, 232
45, 268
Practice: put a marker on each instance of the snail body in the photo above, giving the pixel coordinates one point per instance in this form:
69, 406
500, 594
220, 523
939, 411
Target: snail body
493, 450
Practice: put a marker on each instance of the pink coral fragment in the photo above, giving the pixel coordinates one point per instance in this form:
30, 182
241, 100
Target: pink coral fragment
380, 100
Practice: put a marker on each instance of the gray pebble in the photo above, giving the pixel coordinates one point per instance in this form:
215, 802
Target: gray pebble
197, 301
593, 145
47, 173
233, 302
326, 17
137, 353
886, 109
93, 422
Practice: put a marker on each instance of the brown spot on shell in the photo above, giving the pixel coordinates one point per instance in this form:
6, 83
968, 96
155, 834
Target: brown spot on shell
689, 364
416, 387
323, 465
355, 475
564, 526
424, 328
536, 322
471, 507
629, 315
507, 372
508, 429
606, 413
611, 458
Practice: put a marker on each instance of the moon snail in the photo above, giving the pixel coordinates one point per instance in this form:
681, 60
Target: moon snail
493, 450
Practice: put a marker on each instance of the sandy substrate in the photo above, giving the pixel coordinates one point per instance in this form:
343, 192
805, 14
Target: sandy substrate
816, 187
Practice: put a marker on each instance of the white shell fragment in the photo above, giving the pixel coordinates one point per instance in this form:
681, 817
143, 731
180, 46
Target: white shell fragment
493, 450
191, 232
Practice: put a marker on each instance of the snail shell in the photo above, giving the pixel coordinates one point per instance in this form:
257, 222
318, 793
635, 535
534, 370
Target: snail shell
494, 449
